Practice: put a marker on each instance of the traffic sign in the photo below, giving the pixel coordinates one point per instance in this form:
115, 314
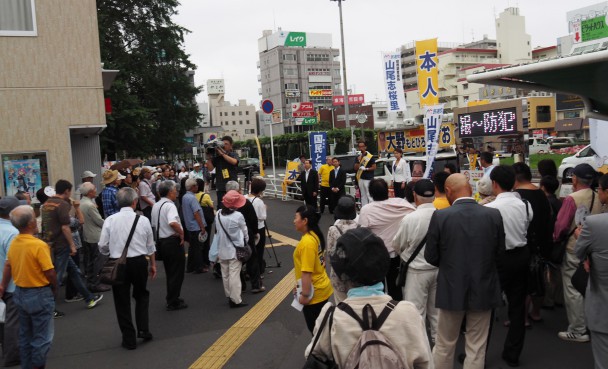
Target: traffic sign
362, 118
267, 106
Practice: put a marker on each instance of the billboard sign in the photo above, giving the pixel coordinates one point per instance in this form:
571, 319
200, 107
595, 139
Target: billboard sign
309, 121
302, 106
412, 140
352, 100
290, 92
215, 86
296, 39
568, 102
488, 123
318, 92
594, 28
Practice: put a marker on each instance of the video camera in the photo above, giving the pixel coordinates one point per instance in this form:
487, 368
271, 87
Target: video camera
212, 145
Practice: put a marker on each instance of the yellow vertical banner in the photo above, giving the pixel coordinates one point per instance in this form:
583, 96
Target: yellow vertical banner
260, 154
427, 71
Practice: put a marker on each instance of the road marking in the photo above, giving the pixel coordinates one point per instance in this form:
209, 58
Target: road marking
224, 348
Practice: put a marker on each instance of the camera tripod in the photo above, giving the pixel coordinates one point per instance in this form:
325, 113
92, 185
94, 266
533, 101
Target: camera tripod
278, 263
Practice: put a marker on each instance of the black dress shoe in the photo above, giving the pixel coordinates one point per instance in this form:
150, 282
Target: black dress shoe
146, 335
129, 346
179, 306
233, 305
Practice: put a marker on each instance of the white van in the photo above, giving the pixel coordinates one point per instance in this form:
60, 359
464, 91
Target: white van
538, 145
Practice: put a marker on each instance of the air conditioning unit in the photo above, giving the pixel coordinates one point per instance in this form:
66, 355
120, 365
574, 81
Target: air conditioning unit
399, 114
409, 122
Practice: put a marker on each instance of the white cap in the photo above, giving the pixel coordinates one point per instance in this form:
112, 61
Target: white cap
87, 174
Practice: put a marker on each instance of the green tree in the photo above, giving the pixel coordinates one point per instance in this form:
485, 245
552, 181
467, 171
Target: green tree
152, 96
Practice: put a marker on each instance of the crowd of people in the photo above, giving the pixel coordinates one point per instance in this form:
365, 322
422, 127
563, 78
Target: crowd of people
413, 271
454, 259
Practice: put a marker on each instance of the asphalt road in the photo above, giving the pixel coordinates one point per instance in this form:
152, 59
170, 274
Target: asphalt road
91, 338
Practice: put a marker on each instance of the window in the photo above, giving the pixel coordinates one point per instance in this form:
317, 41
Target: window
290, 86
317, 57
24, 172
247, 112
18, 18
572, 114
220, 114
291, 57
247, 122
290, 72
232, 113
543, 113
250, 131
240, 113
234, 123
465, 86
240, 122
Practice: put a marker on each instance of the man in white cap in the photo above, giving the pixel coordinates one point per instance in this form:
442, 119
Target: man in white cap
87, 176
111, 179
197, 172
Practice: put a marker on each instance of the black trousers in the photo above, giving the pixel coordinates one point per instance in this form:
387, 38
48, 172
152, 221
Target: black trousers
311, 313
174, 259
148, 213
93, 262
399, 192
195, 253
333, 199
391, 277
255, 264
136, 276
220, 196
325, 198
513, 272
311, 201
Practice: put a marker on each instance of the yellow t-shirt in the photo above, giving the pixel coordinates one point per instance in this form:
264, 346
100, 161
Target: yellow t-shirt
306, 258
324, 172
206, 199
29, 257
441, 203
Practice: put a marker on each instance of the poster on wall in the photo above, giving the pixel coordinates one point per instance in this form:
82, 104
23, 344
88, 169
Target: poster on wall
22, 175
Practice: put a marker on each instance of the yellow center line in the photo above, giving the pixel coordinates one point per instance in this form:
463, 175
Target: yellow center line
224, 348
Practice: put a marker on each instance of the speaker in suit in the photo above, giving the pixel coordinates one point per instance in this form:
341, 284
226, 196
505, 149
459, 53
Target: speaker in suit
309, 182
464, 241
337, 181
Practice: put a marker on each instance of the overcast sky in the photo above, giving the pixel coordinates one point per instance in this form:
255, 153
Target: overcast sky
223, 42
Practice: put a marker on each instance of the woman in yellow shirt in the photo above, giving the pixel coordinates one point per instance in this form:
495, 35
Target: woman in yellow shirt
310, 266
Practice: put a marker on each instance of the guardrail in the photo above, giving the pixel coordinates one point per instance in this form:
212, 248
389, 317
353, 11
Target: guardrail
274, 188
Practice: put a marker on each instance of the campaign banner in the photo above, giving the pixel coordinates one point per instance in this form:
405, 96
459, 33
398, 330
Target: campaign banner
318, 148
432, 125
412, 140
22, 175
427, 71
392, 80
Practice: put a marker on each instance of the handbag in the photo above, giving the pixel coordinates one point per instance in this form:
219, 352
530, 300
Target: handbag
559, 248
213, 250
404, 265
580, 278
242, 253
313, 362
114, 270
536, 276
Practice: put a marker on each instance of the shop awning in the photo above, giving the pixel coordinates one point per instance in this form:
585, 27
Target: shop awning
583, 75
567, 125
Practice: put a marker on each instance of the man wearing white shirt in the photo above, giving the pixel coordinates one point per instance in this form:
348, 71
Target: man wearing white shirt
485, 159
170, 243
421, 280
146, 196
513, 264
114, 235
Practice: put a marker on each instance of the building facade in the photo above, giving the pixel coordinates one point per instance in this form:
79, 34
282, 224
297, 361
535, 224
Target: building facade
51, 90
298, 67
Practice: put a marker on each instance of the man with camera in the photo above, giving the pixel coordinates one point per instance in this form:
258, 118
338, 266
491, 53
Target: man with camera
225, 161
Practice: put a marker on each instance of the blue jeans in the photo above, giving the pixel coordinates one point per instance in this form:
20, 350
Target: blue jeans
63, 262
36, 306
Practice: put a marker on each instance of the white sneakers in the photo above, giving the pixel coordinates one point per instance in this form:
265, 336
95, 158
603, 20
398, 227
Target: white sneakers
573, 337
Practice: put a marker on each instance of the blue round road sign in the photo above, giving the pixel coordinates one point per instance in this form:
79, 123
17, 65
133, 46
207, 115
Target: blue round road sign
267, 106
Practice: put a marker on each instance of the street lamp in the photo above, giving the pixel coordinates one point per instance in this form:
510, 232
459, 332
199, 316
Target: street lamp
346, 112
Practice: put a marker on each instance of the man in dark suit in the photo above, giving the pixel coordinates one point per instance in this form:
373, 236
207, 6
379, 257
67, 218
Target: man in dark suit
309, 182
464, 241
337, 180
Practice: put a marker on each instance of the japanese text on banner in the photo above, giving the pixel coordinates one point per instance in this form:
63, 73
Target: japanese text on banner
393, 82
318, 148
432, 124
427, 71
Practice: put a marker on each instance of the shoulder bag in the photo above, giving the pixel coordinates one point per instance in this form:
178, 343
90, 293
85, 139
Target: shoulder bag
114, 270
313, 362
242, 253
404, 265
580, 278
537, 269
207, 211
559, 248
156, 230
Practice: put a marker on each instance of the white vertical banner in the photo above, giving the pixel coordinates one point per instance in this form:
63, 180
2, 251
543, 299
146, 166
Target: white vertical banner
432, 125
392, 78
